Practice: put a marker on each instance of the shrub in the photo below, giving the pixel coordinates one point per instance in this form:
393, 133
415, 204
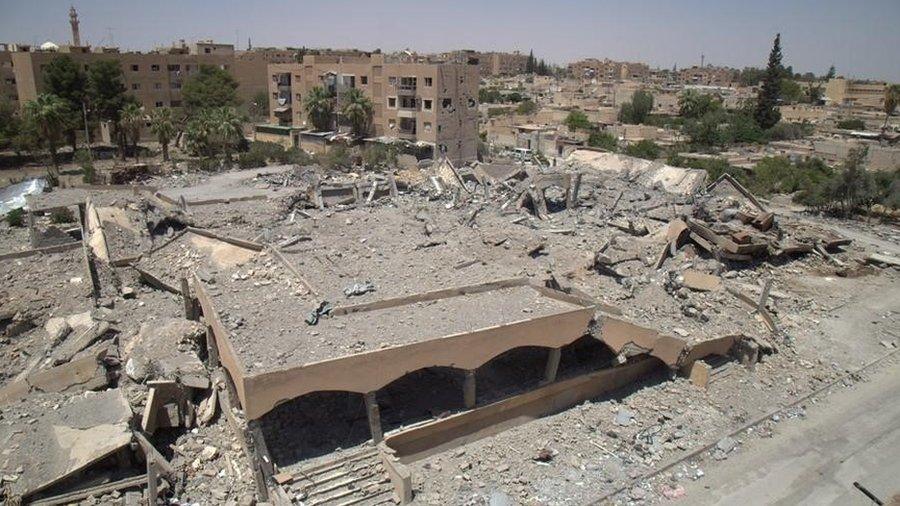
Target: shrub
380, 155
789, 131
645, 149
577, 120
603, 140
252, 159
62, 215
337, 158
851, 124
16, 218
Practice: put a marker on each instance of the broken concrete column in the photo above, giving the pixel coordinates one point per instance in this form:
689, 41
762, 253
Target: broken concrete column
552, 365
469, 389
374, 416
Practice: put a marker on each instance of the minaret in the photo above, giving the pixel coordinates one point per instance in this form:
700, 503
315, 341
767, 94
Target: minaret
73, 20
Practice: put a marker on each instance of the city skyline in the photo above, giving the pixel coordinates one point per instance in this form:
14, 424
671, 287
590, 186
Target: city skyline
815, 35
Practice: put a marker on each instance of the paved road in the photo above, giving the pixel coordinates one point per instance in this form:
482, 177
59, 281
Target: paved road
851, 435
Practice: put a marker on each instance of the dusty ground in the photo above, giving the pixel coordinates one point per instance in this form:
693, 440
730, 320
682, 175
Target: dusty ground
834, 319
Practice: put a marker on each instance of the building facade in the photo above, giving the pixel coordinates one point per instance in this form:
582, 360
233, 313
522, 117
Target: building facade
433, 103
707, 76
490, 64
862, 94
608, 70
154, 78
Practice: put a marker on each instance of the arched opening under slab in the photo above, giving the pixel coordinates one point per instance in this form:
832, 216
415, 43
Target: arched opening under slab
313, 425
584, 355
511, 372
424, 394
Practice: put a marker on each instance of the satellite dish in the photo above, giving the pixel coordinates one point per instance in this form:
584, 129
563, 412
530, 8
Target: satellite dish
49, 46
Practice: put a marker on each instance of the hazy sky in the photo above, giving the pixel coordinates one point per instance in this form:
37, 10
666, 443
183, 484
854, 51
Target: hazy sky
860, 38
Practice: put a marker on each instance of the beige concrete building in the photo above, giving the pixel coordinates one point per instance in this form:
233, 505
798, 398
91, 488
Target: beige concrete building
8, 92
431, 103
154, 78
490, 64
862, 94
609, 70
707, 76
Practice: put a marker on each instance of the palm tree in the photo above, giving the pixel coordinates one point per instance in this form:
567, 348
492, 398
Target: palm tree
48, 113
319, 105
162, 124
226, 127
133, 118
358, 110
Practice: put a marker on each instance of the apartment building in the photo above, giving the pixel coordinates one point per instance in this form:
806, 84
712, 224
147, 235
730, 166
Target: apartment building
490, 64
862, 94
431, 103
707, 75
608, 70
154, 78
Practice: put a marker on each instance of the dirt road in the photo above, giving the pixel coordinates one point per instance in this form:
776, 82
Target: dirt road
853, 436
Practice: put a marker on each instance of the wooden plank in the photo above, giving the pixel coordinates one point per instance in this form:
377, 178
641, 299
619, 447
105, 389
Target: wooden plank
138, 481
41, 251
232, 240
296, 272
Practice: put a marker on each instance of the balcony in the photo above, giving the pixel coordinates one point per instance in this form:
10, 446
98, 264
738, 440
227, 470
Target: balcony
406, 89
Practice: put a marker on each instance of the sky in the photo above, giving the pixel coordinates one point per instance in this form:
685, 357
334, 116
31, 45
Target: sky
861, 38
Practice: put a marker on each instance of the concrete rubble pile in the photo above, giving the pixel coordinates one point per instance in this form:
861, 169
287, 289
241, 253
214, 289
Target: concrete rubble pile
117, 389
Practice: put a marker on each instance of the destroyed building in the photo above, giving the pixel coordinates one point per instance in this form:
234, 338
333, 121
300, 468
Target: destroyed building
448, 333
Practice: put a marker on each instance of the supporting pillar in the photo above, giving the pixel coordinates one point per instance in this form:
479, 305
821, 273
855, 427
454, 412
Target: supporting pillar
469, 389
552, 365
374, 416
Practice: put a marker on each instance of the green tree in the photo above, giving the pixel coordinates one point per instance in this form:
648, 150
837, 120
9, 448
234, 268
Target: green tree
710, 130
10, 123
489, 95
526, 107
106, 94
162, 124
751, 76
767, 114
319, 105
637, 110
603, 140
133, 119
529, 63
790, 91
48, 114
65, 79
692, 104
258, 108
891, 99
578, 120
831, 73
645, 149
209, 88
227, 130
357, 110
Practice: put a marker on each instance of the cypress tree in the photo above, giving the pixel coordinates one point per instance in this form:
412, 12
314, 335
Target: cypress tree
529, 64
767, 114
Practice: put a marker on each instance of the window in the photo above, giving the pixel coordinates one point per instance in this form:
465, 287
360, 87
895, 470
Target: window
392, 102
135, 86
428, 81
408, 103
297, 96
447, 104
157, 86
392, 80
176, 103
159, 104
427, 126
363, 80
175, 85
174, 68
135, 68
187, 68
207, 50
427, 104
154, 68
392, 124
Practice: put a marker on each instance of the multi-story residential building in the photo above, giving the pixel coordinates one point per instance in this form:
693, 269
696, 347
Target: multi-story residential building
862, 94
707, 75
154, 78
608, 70
490, 64
433, 103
